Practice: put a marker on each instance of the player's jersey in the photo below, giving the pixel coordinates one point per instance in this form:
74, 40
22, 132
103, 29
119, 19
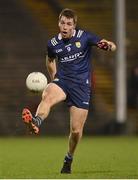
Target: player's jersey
73, 56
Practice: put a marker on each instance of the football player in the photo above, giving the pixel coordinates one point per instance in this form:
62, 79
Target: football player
70, 80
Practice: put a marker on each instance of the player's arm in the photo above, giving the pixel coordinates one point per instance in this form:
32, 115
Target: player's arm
106, 45
51, 67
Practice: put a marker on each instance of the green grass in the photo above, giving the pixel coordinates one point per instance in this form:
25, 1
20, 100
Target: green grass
96, 157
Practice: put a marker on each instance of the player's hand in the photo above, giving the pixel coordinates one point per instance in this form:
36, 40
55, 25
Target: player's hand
104, 45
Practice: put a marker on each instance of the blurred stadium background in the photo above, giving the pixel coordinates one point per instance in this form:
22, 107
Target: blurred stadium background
25, 27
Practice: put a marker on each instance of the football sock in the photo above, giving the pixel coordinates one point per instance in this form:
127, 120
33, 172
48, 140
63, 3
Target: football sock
37, 121
69, 157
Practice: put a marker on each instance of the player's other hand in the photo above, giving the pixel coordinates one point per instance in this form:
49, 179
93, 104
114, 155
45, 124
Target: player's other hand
104, 45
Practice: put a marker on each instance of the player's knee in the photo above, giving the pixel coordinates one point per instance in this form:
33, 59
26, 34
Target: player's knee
44, 95
76, 133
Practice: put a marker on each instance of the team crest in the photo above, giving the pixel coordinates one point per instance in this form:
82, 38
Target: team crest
78, 44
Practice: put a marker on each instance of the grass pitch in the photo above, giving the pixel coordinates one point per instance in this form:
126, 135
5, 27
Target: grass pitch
96, 157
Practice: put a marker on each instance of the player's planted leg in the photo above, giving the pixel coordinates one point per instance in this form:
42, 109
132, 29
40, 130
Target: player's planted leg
77, 119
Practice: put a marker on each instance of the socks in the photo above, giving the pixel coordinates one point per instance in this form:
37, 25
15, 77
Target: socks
37, 121
68, 157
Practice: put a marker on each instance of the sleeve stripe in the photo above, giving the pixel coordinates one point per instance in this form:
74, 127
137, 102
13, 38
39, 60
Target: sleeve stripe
79, 33
54, 42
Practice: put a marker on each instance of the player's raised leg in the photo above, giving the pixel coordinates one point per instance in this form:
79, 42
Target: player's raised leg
50, 96
77, 119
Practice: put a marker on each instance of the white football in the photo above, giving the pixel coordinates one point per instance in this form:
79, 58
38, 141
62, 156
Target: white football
36, 81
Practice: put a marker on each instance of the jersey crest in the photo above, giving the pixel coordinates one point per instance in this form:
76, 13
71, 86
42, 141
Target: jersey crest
78, 44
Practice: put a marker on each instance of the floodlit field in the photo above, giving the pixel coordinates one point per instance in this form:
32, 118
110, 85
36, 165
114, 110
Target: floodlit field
96, 157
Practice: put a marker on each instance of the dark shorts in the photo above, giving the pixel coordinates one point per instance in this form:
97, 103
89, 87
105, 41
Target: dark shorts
77, 94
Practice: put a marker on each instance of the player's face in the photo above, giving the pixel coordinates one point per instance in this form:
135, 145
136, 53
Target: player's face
66, 27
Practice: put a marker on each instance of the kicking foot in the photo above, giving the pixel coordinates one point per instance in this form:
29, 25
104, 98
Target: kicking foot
28, 120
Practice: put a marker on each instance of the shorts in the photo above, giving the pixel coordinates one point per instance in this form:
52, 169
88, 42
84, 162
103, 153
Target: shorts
77, 94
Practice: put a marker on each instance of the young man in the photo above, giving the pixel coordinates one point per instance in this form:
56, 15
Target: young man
70, 81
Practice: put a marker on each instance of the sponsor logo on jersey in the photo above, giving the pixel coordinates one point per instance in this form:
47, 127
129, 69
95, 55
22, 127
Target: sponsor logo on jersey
78, 44
71, 57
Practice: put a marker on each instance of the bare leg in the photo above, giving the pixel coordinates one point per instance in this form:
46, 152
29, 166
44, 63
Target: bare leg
51, 96
77, 119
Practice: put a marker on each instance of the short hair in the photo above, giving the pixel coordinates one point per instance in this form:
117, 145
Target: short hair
69, 13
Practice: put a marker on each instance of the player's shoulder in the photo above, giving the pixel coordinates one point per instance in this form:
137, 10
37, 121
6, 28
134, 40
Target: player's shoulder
53, 41
88, 36
79, 33
83, 33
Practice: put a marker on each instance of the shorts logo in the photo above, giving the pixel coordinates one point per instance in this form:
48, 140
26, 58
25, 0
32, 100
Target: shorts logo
56, 79
87, 81
84, 102
78, 44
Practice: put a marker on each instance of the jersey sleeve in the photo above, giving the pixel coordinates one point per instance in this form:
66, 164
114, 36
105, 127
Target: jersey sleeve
50, 51
93, 39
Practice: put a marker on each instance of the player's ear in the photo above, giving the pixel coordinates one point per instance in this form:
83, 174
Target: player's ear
58, 23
